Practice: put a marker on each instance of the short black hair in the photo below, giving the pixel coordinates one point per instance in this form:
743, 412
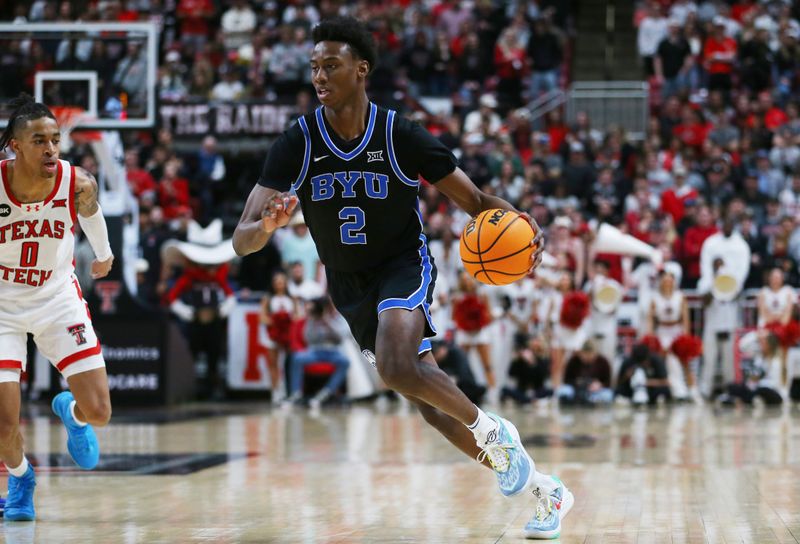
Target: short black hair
351, 31
23, 109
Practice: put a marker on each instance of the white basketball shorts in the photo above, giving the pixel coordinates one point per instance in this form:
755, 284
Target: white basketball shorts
61, 327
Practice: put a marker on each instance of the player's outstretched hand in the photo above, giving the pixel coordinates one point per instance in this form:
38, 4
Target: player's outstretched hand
277, 212
537, 242
100, 269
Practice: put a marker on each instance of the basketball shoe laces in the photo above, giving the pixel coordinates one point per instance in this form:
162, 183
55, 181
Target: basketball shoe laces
497, 454
544, 507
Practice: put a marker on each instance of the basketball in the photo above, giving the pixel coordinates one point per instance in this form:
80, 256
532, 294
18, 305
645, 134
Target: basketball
496, 247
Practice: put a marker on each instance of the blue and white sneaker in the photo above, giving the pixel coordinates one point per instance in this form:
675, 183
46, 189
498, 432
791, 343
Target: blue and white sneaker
81, 441
550, 510
19, 503
512, 465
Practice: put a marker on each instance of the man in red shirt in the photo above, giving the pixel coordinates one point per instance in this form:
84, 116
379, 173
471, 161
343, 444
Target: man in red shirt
673, 200
774, 117
692, 243
719, 54
139, 180
194, 16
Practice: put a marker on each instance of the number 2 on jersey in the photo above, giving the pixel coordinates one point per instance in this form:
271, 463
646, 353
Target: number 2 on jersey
354, 221
29, 255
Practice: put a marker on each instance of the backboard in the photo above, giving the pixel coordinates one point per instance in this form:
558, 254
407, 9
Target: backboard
108, 70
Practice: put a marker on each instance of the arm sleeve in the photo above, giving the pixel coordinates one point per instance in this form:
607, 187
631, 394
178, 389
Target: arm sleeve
420, 154
181, 285
284, 160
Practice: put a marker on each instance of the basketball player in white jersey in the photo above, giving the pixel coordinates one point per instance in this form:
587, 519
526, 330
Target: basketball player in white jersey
41, 198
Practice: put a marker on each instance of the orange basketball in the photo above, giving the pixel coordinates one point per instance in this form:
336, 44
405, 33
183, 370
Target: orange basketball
496, 247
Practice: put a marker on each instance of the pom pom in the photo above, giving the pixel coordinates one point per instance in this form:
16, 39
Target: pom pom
686, 347
788, 334
470, 314
574, 309
279, 328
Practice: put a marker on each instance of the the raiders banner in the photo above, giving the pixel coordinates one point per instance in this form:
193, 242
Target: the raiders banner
221, 119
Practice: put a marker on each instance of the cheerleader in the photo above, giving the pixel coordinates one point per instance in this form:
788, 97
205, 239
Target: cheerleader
567, 248
775, 300
472, 316
775, 305
568, 327
669, 318
278, 310
644, 279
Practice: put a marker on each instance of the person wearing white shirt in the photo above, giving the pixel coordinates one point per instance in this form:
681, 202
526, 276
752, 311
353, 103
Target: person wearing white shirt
652, 30
644, 279
300, 287
606, 294
669, 319
237, 24
720, 319
775, 300
474, 121
729, 246
230, 88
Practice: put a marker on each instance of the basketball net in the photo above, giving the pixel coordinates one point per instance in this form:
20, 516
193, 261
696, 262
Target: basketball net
68, 118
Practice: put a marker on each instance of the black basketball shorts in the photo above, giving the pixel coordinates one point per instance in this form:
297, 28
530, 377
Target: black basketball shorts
405, 281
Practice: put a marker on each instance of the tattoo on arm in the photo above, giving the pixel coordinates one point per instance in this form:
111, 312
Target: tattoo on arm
85, 193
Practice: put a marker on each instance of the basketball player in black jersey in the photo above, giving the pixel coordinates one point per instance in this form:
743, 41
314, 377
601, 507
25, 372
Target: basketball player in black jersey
354, 168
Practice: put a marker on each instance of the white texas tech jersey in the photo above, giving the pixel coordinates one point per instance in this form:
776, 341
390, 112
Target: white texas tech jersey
36, 239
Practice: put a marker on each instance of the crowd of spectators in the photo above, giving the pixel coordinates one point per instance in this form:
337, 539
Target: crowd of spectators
723, 138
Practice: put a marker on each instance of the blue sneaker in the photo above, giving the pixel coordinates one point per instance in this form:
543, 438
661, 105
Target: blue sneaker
550, 510
81, 441
512, 465
19, 503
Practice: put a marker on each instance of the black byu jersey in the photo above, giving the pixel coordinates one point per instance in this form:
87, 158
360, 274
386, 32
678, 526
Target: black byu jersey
359, 198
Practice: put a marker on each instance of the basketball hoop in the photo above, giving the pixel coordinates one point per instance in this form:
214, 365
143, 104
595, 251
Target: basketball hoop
68, 118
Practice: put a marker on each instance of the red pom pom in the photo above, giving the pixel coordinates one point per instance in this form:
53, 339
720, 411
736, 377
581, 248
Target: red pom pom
653, 343
574, 309
470, 313
280, 328
686, 347
788, 335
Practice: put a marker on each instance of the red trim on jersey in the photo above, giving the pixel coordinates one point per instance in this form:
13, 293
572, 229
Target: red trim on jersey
10, 364
56, 186
79, 356
72, 212
13, 199
80, 294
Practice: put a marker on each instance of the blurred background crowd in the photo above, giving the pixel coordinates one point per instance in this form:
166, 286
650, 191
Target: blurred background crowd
714, 183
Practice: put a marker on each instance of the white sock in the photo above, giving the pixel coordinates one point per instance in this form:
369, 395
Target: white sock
484, 428
74, 417
19, 471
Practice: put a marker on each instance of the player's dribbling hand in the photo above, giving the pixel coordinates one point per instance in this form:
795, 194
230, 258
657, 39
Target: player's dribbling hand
278, 211
537, 242
100, 269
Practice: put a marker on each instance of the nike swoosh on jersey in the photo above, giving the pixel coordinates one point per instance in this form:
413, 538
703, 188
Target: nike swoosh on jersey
317, 159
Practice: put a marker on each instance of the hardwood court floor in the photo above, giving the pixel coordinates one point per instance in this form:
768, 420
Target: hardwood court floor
357, 475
